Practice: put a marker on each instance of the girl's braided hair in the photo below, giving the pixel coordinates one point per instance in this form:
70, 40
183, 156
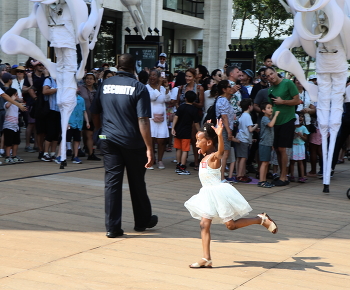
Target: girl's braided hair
209, 132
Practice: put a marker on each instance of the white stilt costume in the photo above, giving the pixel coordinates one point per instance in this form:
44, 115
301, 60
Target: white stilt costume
65, 23
320, 28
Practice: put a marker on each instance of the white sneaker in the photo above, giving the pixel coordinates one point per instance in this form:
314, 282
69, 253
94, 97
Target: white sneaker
150, 168
174, 161
161, 165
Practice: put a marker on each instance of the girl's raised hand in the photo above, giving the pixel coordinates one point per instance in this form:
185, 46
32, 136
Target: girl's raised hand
219, 127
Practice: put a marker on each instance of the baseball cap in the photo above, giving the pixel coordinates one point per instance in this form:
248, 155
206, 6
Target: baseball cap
249, 73
312, 77
113, 69
163, 54
6, 77
14, 66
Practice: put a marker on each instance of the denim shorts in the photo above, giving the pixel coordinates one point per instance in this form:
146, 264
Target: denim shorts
265, 153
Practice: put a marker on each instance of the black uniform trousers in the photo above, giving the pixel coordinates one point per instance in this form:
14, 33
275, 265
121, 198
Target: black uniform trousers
116, 159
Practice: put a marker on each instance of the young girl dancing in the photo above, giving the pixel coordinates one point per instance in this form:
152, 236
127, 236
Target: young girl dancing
218, 202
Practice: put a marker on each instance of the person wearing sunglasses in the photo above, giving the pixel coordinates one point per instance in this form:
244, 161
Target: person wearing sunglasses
263, 84
216, 75
17, 83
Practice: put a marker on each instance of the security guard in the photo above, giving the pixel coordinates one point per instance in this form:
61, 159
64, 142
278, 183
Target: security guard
125, 143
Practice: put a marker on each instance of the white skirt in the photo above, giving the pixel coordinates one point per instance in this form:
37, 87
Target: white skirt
159, 130
220, 203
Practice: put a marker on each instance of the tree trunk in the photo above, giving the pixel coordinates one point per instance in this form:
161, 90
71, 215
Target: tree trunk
242, 27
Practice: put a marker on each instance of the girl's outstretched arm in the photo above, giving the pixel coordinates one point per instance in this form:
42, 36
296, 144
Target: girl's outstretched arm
218, 130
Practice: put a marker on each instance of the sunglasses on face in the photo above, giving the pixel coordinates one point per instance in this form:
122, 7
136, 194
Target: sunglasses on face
20, 71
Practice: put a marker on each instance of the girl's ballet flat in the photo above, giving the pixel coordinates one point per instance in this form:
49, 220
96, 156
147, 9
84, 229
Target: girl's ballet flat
208, 264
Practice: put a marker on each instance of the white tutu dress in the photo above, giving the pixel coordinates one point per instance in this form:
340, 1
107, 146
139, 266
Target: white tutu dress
217, 201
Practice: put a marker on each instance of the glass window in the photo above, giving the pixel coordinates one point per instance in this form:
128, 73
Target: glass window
193, 8
105, 49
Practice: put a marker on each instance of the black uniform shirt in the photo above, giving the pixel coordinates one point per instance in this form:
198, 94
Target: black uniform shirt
122, 100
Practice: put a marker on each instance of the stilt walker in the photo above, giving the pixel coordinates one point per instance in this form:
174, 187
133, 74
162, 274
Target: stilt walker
65, 23
320, 27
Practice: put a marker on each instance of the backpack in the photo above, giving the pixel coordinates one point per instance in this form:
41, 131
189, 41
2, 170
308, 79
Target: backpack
211, 113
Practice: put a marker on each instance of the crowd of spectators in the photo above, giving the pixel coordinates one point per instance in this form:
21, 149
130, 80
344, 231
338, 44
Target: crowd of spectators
268, 119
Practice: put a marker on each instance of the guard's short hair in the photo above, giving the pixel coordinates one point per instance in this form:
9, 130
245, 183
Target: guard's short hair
126, 62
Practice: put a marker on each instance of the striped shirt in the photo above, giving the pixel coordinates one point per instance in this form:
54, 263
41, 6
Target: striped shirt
11, 118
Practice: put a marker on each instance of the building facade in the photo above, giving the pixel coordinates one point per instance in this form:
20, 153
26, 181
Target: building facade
200, 27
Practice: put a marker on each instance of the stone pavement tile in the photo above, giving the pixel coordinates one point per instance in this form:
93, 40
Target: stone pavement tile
55, 220
298, 276
343, 233
329, 261
108, 266
33, 280
10, 204
334, 245
8, 270
27, 169
37, 248
46, 191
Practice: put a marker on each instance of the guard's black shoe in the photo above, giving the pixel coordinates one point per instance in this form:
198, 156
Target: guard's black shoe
151, 224
115, 234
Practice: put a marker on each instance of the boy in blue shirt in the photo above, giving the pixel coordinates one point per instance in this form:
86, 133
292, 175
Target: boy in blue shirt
75, 126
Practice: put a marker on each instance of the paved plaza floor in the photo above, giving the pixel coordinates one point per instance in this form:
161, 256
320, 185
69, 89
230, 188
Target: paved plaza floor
52, 234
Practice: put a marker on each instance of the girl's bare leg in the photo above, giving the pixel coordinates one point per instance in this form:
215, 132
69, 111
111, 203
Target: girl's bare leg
232, 168
301, 168
161, 148
205, 235
244, 222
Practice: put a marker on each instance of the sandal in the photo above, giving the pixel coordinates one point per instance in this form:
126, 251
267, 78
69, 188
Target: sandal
196, 168
207, 264
273, 226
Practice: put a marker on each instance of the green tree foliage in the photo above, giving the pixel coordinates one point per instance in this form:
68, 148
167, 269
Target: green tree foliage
268, 16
